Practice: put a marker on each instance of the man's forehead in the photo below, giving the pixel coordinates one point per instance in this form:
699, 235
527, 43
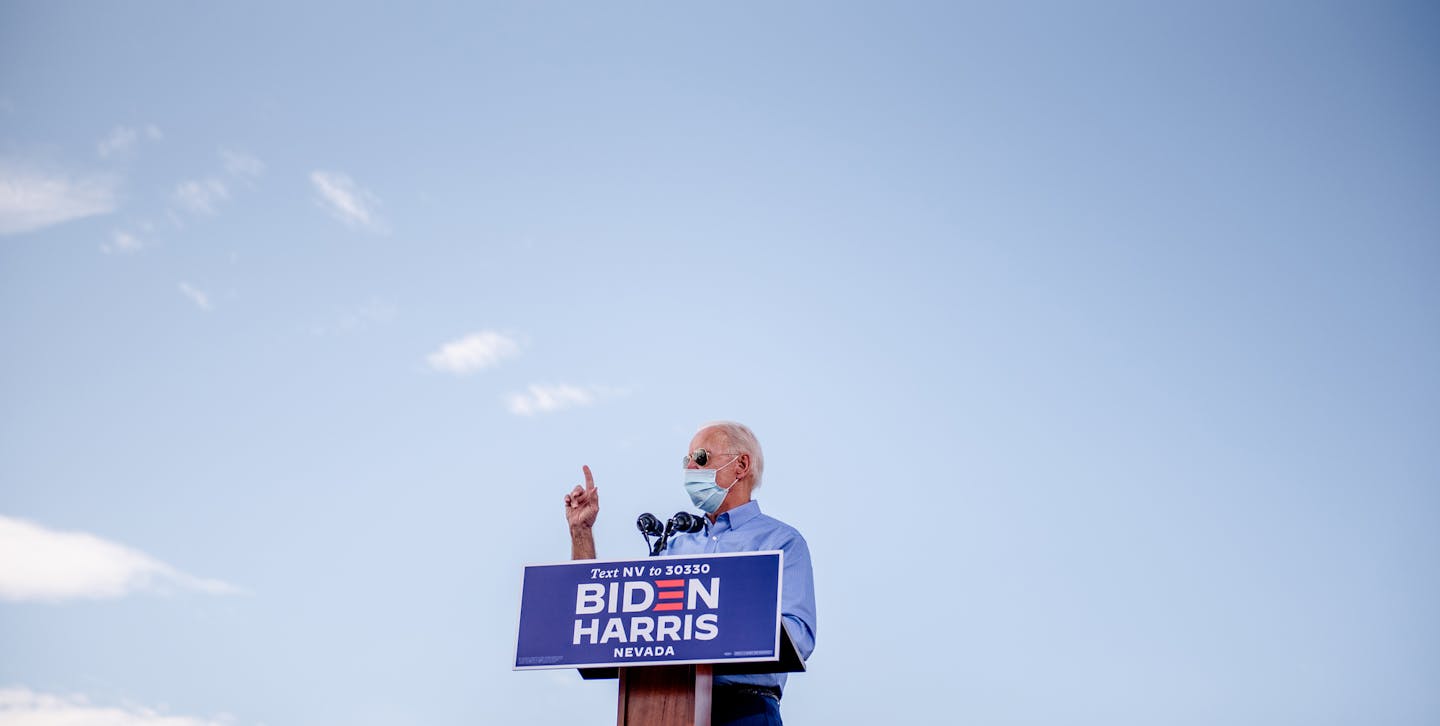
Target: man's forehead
707, 437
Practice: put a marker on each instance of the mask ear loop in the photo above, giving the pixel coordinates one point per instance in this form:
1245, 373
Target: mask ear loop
733, 483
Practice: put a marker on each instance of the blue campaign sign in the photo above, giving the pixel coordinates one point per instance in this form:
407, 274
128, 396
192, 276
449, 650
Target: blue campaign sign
662, 610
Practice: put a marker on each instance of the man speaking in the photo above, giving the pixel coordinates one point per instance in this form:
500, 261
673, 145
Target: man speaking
722, 471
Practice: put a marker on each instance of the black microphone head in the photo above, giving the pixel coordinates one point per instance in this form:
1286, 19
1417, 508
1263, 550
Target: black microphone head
687, 522
649, 524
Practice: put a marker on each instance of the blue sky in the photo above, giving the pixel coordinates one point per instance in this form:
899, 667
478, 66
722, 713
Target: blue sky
1092, 349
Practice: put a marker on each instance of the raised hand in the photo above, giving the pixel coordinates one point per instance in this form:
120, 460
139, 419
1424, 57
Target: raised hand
582, 504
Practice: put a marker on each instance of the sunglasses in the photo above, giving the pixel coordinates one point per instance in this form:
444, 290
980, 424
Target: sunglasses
701, 457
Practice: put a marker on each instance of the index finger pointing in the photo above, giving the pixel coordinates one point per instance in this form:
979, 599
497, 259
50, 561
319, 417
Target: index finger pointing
589, 479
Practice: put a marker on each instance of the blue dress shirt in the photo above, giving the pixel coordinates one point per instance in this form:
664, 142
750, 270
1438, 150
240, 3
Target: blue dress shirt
745, 529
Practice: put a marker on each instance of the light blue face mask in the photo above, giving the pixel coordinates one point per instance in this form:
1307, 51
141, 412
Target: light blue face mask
704, 492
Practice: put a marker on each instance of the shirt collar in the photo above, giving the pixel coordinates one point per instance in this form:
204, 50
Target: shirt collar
741, 514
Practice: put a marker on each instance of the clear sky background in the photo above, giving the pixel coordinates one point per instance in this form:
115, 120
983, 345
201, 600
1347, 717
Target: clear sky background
1094, 349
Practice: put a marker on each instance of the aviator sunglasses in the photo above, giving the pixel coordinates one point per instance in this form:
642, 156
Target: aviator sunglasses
701, 457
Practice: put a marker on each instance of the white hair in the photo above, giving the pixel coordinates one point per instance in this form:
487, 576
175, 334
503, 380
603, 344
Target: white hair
743, 439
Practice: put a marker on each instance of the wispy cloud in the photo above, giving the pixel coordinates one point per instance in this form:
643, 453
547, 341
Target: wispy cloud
21, 706
241, 164
123, 243
201, 196
196, 295
474, 352
347, 201
540, 398
37, 563
122, 139
32, 200
204, 196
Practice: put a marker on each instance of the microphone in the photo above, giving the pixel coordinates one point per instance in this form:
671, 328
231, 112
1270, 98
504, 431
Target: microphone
686, 522
649, 525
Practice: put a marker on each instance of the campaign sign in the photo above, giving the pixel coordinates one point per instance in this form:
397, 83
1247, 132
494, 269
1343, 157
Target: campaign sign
662, 610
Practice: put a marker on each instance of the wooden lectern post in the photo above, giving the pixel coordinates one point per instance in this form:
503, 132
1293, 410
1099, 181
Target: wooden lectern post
665, 696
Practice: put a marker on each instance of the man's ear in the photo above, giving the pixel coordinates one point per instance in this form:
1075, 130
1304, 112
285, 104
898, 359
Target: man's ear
743, 464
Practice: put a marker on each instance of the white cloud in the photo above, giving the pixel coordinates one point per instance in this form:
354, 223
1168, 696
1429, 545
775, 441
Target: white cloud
473, 352
122, 242
240, 164
540, 398
122, 139
204, 196
346, 200
30, 200
44, 564
21, 706
196, 296
201, 196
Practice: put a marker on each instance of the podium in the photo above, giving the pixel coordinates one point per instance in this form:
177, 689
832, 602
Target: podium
680, 695
664, 627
